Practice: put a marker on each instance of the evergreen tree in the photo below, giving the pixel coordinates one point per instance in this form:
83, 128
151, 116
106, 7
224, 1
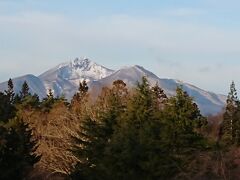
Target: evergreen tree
10, 91
80, 98
137, 148
230, 125
96, 131
7, 108
184, 123
48, 101
160, 97
17, 150
184, 117
82, 91
24, 91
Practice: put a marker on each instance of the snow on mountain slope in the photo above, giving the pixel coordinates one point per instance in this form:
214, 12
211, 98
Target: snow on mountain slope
64, 78
34, 83
209, 103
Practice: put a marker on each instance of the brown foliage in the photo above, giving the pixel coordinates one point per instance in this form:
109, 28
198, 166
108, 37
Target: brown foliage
53, 130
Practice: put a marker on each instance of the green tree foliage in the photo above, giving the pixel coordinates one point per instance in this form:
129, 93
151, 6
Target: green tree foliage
122, 134
24, 91
10, 91
48, 102
160, 97
230, 129
139, 138
184, 123
25, 100
136, 150
7, 108
17, 150
96, 131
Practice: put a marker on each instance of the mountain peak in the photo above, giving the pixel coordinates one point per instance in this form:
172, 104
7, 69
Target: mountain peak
82, 63
77, 69
64, 79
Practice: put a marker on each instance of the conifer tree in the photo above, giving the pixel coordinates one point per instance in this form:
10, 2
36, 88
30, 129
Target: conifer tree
10, 91
17, 150
137, 149
184, 119
96, 131
48, 101
183, 122
230, 124
160, 97
7, 108
80, 99
24, 91
82, 91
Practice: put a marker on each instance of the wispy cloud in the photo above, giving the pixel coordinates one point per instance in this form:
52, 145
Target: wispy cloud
48, 38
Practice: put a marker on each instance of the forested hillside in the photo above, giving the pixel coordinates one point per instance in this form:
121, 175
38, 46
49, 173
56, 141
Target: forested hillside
137, 133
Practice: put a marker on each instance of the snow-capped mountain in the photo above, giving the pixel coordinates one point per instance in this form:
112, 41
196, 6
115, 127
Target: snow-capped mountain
208, 102
64, 80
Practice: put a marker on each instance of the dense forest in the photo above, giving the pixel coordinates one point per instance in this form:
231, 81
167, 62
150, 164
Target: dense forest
124, 133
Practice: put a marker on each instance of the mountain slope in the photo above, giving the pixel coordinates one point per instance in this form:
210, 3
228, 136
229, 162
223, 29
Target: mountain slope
34, 83
209, 103
64, 80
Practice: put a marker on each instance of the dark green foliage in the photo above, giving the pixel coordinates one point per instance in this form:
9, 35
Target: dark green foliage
230, 133
137, 149
95, 133
7, 108
48, 102
24, 91
10, 91
17, 150
138, 135
25, 100
184, 123
146, 136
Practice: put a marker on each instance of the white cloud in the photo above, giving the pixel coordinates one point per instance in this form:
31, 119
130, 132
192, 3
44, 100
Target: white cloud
125, 30
48, 39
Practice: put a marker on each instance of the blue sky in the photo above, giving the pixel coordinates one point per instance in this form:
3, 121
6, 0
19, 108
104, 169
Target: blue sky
194, 41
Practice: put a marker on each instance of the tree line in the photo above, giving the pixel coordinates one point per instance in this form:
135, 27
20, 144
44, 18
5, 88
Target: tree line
137, 133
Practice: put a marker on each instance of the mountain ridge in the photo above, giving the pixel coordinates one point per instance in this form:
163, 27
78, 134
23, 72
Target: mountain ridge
64, 79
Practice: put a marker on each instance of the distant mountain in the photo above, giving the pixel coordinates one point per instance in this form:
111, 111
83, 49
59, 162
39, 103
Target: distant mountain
34, 83
64, 80
208, 102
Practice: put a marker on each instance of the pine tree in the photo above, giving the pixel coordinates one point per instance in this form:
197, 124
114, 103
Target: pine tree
7, 108
10, 91
137, 149
24, 91
48, 102
17, 150
82, 91
96, 131
159, 96
184, 123
184, 119
230, 120
80, 98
